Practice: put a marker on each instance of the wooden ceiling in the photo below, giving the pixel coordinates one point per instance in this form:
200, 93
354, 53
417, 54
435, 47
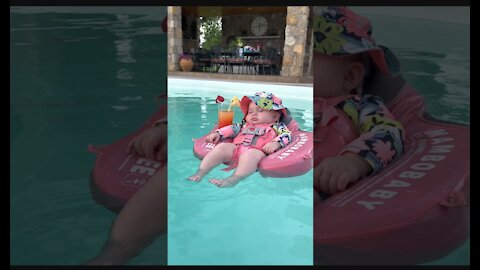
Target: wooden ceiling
208, 11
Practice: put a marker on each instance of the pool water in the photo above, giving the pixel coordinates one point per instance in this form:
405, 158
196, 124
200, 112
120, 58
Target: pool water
435, 60
261, 221
79, 75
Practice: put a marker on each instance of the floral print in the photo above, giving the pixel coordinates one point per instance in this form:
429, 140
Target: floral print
339, 31
327, 36
265, 100
355, 24
265, 103
284, 135
382, 137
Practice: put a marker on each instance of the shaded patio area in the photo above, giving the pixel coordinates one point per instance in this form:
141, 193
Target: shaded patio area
272, 41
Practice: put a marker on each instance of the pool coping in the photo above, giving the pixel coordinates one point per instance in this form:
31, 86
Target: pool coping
304, 81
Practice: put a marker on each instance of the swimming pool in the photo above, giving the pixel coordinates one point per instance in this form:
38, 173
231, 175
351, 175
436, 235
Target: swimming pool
434, 58
261, 221
79, 75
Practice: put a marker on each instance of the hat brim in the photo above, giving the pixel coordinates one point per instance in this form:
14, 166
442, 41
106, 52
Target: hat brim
244, 105
378, 57
245, 102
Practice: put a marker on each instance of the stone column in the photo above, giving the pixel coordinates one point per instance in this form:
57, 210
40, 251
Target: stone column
175, 37
295, 41
308, 65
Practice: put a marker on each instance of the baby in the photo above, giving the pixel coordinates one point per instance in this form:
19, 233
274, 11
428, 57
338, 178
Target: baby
362, 135
261, 133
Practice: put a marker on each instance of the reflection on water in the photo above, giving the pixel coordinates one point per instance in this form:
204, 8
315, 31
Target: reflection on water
435, 59
79, 75
444, 80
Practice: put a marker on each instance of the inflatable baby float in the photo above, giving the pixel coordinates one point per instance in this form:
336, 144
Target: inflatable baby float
117, 176
294, 159
415, 210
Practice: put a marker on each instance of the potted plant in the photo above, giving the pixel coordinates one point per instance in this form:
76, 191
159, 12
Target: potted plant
186, 62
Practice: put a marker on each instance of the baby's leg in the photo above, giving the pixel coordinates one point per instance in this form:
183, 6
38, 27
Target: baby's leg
247, 165
140, 222
221, 153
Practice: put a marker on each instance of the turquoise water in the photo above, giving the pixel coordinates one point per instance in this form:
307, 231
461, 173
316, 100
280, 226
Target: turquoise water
79, 75
261, 221
435, 59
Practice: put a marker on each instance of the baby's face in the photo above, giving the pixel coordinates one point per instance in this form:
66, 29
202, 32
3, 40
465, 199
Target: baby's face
257, 115
329, 75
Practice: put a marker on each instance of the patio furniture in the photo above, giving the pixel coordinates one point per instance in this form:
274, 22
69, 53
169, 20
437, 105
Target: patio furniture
250, 56
234, 59
267, 62
203, 61
218, 58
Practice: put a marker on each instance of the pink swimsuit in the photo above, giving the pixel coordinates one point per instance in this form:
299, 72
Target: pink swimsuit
251, 136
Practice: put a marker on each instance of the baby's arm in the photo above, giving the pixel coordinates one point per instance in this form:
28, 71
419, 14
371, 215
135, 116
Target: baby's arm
230, 131
380, 142
382, 137
226, 132
284, 137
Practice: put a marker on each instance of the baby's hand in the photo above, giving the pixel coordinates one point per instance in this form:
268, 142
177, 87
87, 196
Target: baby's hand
334, 174
146, 142
271, 147
213, 137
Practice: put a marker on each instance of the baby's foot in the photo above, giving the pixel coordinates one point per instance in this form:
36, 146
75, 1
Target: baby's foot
226, 182
195, 178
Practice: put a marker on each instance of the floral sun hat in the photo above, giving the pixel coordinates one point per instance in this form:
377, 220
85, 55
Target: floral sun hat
338, 31
264, 100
